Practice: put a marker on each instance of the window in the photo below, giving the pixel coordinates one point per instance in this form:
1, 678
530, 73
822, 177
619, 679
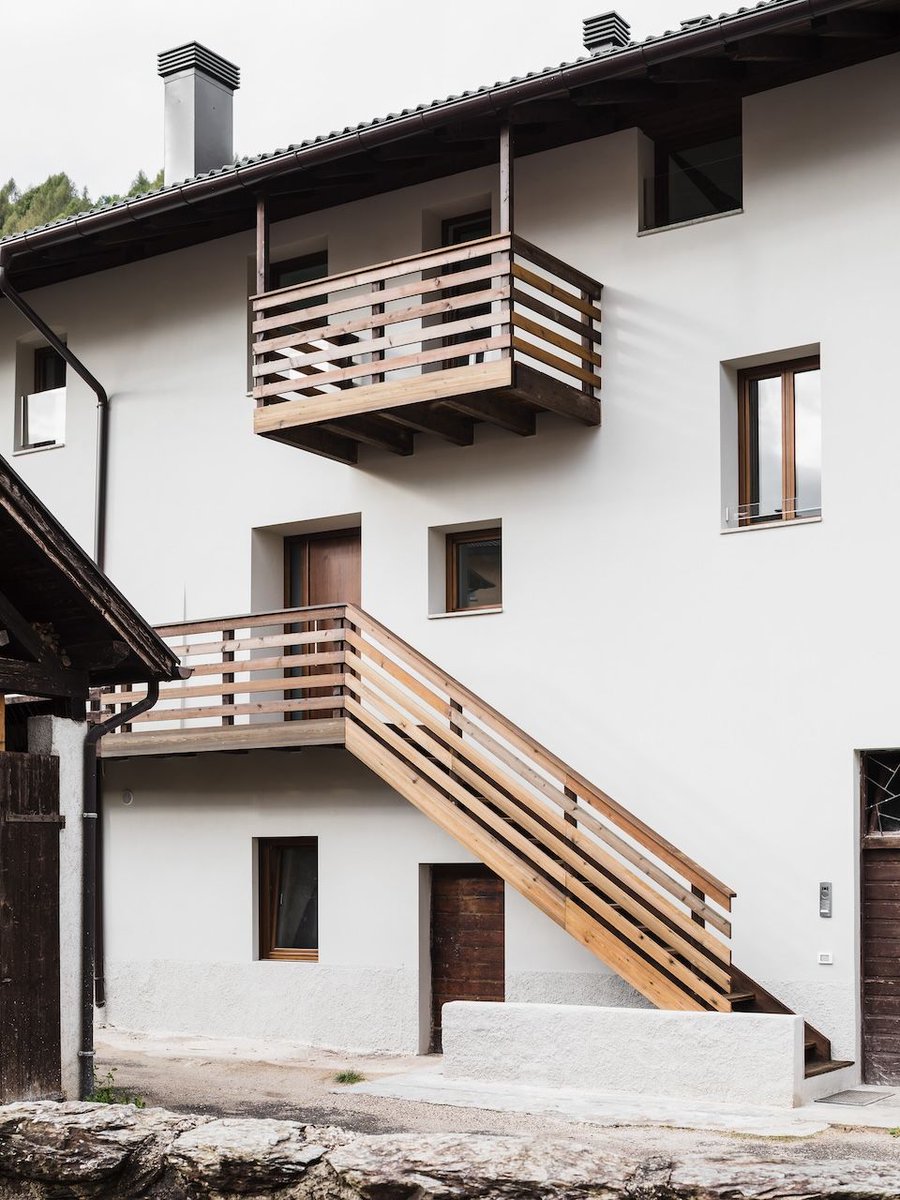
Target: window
294, 271
454, 232
779, 442
474, 577
289, 899
693, 176
42, 412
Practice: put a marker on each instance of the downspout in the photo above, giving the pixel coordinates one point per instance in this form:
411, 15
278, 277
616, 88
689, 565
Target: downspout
89, 922
37, 322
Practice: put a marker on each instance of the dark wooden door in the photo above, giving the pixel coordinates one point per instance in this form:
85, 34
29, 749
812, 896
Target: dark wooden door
29, 927
321, 568
467, 956
881, 960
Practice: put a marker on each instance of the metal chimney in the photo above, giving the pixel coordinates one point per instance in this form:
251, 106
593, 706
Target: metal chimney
199, 129
606, 32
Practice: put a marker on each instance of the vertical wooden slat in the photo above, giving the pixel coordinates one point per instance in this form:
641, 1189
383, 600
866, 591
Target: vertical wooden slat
228, 677
2, 722
378, 332
262, 245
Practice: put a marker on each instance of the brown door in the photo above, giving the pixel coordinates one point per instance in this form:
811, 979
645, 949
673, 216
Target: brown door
467, 958
321, 568
29, 927
881, 917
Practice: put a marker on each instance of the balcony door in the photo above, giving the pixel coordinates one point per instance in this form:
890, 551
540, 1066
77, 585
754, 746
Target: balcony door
320, 568
455, 231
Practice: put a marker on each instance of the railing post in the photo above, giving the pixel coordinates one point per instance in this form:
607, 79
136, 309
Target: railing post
378, 332
695, 916
228, 635
570, 817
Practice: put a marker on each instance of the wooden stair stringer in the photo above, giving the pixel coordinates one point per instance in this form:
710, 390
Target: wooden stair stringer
425, 796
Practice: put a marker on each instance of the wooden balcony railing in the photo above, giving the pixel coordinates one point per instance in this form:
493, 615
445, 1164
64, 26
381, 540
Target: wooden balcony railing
494, 330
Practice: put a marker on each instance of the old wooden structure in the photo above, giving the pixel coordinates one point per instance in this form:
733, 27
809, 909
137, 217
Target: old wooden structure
63, 629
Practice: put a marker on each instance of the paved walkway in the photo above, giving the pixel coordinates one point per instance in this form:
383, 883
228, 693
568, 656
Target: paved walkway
411, 1094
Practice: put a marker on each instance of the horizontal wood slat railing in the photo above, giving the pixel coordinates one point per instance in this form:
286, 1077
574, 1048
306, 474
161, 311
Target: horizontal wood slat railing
638, 902
482, 306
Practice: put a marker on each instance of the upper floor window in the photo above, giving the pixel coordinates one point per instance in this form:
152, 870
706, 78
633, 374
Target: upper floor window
41, 413
693, 174
291, 272
780, 442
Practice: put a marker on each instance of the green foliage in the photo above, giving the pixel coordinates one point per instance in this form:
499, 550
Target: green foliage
349, 1077
55, 198
106, 1092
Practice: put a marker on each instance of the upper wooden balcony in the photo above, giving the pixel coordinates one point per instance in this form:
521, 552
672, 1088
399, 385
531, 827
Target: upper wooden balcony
494, 330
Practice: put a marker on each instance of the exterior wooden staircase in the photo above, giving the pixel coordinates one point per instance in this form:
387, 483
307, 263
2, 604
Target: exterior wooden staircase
647, 910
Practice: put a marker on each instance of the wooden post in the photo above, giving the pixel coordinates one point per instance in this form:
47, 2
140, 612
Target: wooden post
228, 635
507, 180
2, 722
262, 245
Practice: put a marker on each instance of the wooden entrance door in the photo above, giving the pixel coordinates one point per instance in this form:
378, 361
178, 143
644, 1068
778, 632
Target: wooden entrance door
467, 949
321, 568
880, 876
29, 927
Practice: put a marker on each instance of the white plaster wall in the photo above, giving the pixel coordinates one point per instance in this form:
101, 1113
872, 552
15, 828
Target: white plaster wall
718, 685
718, 1058
180, 905
65, 739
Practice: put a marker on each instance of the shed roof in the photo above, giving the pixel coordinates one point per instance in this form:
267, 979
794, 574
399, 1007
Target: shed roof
59, 614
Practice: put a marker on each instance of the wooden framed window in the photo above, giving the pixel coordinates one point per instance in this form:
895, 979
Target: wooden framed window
474, 570
780, 442
291, 272
289, 899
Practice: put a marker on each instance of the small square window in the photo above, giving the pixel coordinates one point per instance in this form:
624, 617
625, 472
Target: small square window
474, 570
41, 415
780, 442
289, 899
696, 174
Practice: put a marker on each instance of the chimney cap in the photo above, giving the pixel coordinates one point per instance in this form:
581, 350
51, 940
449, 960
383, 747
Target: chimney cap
605, 32
194, 55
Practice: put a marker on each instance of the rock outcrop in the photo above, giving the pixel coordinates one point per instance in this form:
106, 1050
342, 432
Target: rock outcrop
79, 1151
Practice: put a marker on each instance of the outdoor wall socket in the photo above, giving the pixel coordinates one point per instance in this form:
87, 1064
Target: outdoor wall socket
824, 899
826, 958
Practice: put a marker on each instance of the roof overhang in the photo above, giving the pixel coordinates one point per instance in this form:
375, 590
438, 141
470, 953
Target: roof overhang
659, 86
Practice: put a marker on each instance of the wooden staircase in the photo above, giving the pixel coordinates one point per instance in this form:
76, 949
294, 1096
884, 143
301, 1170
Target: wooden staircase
334, 675
653, 915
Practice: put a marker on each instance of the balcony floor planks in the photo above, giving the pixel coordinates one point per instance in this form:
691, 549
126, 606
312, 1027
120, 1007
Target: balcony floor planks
263, 736
503, 393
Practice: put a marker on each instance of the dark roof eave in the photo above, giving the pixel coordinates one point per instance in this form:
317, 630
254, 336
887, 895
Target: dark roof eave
712, 35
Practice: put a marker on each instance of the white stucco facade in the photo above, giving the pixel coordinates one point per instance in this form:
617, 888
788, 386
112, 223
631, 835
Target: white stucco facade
724, 682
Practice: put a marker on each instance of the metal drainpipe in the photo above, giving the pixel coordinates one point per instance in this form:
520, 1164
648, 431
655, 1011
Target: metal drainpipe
22, 305
89, 879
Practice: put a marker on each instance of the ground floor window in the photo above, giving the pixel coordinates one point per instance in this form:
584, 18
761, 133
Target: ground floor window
289, 899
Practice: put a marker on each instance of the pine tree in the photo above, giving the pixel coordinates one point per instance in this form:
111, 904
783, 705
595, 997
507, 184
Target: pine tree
55, 198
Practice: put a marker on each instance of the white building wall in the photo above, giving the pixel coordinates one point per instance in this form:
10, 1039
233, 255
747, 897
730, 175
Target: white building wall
716, 684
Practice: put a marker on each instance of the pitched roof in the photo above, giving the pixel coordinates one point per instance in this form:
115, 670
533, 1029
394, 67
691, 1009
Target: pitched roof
361, 159
47, 579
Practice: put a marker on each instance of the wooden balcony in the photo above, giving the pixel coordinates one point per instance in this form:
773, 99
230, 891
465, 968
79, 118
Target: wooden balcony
495, 331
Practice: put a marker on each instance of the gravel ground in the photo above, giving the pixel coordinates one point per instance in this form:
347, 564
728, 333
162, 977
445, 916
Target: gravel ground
185, 1075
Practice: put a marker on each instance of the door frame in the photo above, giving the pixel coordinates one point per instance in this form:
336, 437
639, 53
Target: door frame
315, 536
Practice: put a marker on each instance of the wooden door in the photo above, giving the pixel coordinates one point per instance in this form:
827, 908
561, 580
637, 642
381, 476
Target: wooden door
29, 927
467, 949
321, 568
881, 962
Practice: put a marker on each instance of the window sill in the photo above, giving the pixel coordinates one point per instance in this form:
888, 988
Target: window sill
732, 212
38, 449
774, 525
466, 612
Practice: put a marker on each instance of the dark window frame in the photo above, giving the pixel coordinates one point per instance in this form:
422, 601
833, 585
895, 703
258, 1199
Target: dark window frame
268, 849
748, 454
453, 543
283, 266
46, 363
669, 149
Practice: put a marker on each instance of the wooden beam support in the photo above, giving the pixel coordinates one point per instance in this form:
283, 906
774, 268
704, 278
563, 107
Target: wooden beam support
20, 631
507, 178
497, 410
41, 679
262, 245
427, 418
555, 396
341, 449
373, 431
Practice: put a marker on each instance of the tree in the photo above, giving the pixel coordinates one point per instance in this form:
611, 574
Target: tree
55, 198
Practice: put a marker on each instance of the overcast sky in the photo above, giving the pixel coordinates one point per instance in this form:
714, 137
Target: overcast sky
79, 90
